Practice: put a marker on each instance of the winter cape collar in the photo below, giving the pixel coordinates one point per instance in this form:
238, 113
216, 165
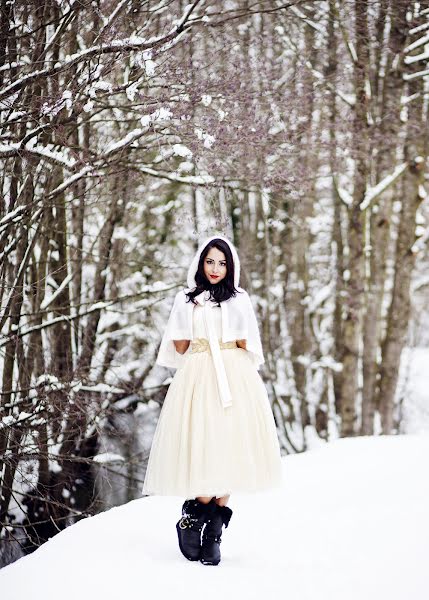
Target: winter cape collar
238, 322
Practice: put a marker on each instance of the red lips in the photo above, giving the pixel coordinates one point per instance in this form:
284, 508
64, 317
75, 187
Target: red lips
214, 276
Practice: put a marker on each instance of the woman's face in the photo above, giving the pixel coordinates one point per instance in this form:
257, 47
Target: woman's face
215, 266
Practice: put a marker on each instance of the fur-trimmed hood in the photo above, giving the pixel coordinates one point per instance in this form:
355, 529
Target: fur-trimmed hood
193, 267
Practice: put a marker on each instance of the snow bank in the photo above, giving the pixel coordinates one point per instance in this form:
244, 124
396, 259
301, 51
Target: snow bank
350, 522
414, 388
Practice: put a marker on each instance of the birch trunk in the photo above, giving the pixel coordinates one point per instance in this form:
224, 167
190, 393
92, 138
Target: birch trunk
389, 103
354, 283
116, 211
299, 278
337, 234
399, 309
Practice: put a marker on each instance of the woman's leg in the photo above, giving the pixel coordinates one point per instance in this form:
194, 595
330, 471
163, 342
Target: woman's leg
204, 499
223, 501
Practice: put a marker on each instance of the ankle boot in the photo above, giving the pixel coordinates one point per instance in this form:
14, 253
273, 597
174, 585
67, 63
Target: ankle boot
194, 516
210, 548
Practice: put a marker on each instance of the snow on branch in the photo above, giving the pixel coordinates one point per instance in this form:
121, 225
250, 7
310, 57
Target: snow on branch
24, 332
97, 306
132, 136
420, 42
71, 180
320, 297
343, 194
96, 170
21, 269
13, 215
48, 300
409, 60
418, 29
108, 457
109, 20
125, 45
190, 179
345, 197
421, 242
180, 23
349, 99
52, 156
410, 76
372, 193
307, 20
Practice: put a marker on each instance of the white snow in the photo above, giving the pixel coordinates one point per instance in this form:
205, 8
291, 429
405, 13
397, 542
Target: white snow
206, 99
72, 179
310, 22
132, 90
149, 64
208, 139
108, 457
181, 150
51, 155
191, 179
345, 196
419, 42
160, 114
372, 193
418, 29
12, 215
146, 120
409, 60
413, 388
130, 137
349, 523
410, 76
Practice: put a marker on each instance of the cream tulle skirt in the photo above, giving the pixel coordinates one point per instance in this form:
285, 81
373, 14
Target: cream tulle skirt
202, 449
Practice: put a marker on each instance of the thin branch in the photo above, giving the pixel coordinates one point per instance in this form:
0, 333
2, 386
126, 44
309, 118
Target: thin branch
124, 45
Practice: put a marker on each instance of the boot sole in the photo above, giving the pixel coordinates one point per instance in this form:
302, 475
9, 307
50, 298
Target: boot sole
181, 547
213, 564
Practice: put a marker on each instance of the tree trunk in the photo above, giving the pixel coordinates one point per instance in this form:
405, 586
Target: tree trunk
379, 220
354, 282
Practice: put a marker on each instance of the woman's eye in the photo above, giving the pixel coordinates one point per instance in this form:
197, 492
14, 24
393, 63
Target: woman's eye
210, 262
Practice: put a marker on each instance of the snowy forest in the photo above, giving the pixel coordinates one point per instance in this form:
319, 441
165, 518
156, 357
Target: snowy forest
130, 131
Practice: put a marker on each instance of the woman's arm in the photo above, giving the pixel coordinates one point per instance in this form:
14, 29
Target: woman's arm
181, 345
241, 344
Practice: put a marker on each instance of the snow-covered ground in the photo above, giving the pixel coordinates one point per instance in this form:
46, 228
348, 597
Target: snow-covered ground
413, 388
350, 522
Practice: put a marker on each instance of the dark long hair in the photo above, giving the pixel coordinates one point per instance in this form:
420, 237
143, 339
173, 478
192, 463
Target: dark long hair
223, 290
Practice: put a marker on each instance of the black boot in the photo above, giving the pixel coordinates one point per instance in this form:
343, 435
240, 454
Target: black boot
210, 549
195, 515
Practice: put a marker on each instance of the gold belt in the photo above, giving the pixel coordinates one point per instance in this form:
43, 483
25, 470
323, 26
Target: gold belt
202, 345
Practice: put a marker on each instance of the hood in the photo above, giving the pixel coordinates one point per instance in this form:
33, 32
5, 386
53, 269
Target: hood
194, 264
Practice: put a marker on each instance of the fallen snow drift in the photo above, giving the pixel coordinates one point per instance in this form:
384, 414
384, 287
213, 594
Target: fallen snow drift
351, 522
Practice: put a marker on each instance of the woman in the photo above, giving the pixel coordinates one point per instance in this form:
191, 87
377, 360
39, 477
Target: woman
216, 433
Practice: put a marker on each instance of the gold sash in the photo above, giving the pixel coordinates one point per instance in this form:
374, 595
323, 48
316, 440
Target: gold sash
202, 345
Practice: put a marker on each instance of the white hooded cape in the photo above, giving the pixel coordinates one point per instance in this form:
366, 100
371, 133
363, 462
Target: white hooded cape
238, 317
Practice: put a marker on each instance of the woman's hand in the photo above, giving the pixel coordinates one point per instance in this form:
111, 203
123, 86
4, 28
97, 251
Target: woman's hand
241, 344
181, 345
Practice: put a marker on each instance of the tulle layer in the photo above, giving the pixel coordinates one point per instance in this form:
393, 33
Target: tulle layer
202, 449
